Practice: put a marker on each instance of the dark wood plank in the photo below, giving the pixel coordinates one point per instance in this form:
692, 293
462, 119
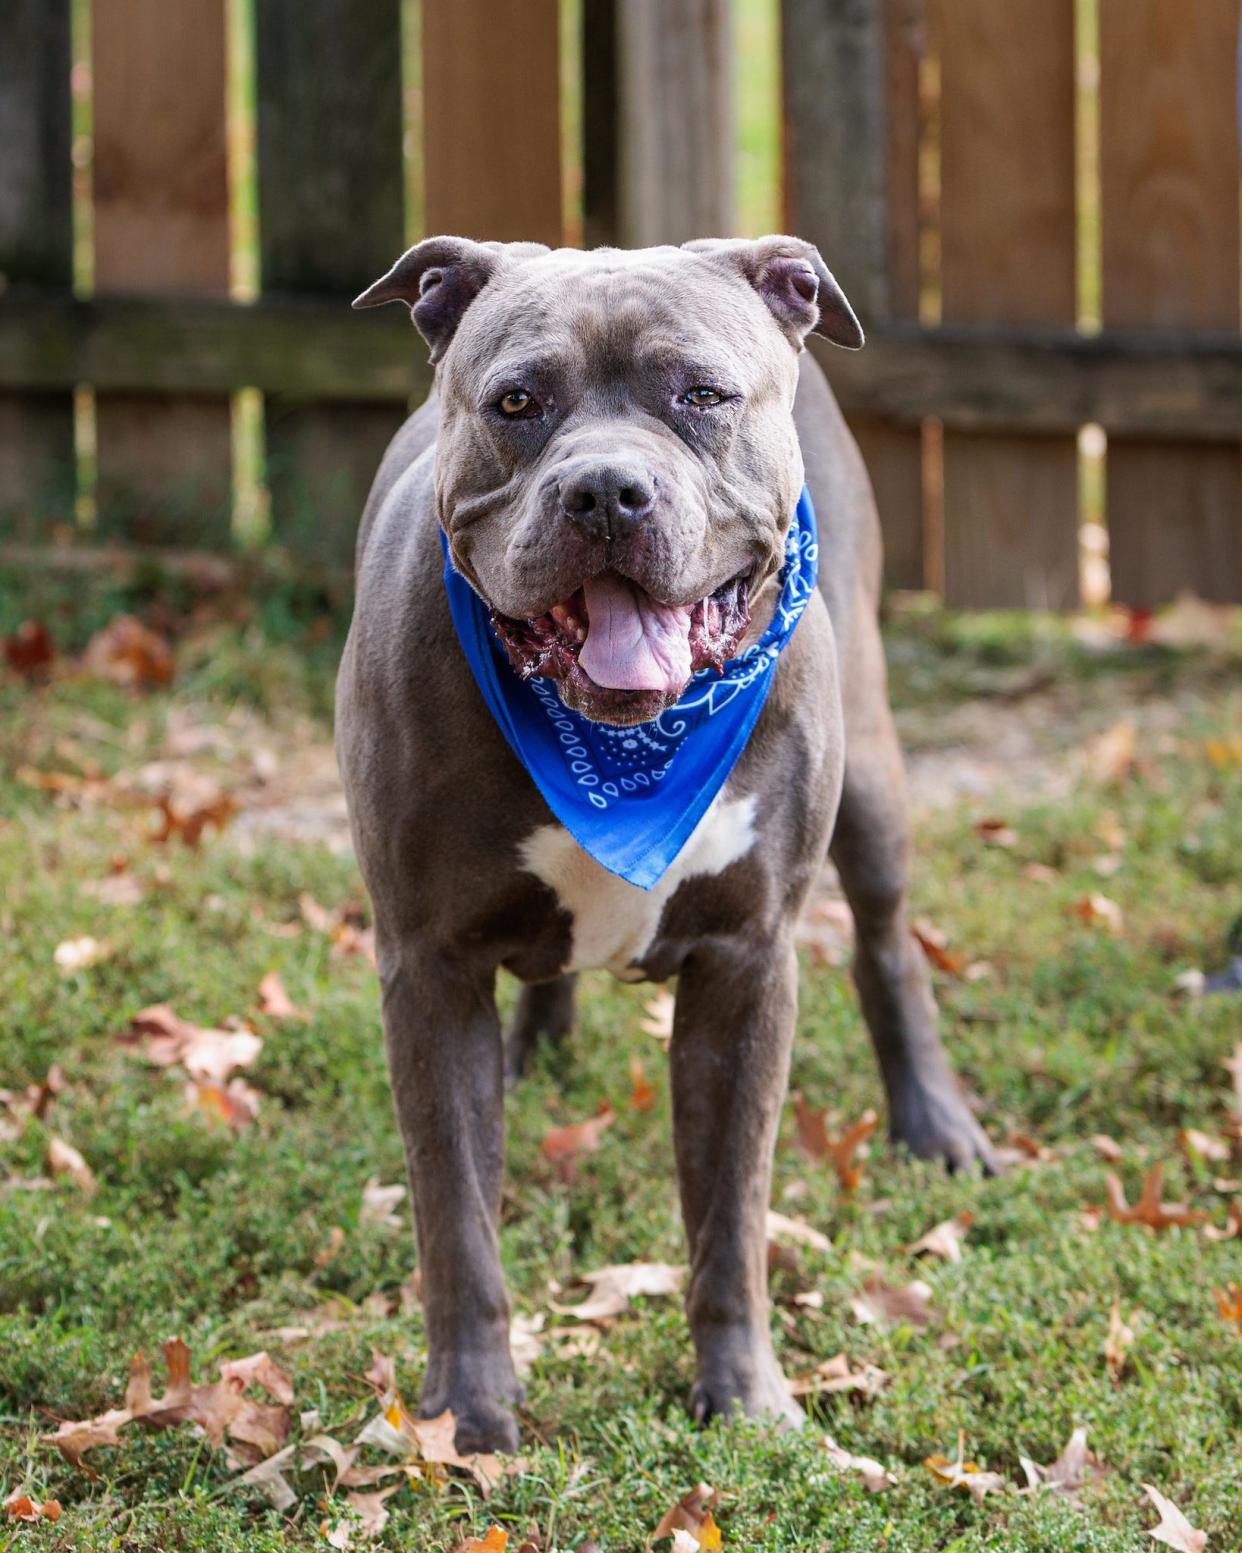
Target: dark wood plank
491, 119
1170, 257
600, 127
161, 224
36, 247
675, 152
1008, 255
331, 219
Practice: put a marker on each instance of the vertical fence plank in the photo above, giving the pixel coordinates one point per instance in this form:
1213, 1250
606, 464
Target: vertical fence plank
675, 116
1170, 259
331, 219
162, 226
600, 215
851, 88
36, 249
492, 136
1008, 256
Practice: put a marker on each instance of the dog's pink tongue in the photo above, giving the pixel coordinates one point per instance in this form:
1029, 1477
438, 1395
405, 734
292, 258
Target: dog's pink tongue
632, 642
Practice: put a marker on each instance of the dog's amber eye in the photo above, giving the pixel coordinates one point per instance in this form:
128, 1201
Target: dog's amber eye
518, 402
702, 395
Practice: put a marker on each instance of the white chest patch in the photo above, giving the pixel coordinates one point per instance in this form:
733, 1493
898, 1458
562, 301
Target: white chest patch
614, 922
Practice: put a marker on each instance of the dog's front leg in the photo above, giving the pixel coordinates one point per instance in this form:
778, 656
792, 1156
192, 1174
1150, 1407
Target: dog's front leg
732, 1032
446, 1060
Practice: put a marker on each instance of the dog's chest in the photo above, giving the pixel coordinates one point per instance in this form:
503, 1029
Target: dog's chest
614, 923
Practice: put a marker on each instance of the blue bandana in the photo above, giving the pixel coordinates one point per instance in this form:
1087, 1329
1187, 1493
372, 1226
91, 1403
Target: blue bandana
631, 797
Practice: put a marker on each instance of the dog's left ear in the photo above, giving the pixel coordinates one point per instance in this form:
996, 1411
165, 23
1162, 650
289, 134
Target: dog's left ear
794, 282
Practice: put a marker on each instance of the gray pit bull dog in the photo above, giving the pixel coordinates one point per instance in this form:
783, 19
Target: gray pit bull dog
614, 447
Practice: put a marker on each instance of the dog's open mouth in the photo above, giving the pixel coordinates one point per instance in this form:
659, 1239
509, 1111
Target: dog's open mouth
621, 655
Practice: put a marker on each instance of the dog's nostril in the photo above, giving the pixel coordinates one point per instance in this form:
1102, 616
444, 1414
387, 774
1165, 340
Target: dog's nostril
633, 497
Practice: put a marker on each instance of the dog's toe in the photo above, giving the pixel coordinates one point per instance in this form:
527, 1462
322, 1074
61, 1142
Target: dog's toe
939, 1125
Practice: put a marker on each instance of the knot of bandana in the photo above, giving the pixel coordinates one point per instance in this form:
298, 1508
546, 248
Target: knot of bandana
631, 797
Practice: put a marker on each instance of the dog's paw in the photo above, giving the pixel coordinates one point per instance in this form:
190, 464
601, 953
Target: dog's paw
937, 1124
744, 1384
484, 1428
481, 1402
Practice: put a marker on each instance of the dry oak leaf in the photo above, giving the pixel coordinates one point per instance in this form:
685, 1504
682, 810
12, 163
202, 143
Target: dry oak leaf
526, 1341
1019, 1148
834, 1375
35, 1099
21, 1507
1229, 1301
1117, 1343
64, 1160
1100, 911
874, 1475
1106, 1147
1233, 1223
826, 931
996, 833
431, 1442
275, 1002
564, 1146
781, 1228
1197, 1145
945, 1239
235, 1103
1174, 1530
379, 1204
1075, 1467
127, 653
964, 1474
206, 1054
691, 1517
891, 1305
1111, 756
370, 1516
839, 1152
1233, 1066
934, 945
612, 1289
1149, 1210
184, 822
496, 1541
642, 1095
30, 650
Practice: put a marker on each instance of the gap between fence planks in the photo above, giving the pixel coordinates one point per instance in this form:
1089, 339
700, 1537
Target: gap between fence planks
161, 225
1007, 214
1170, 254
36, 248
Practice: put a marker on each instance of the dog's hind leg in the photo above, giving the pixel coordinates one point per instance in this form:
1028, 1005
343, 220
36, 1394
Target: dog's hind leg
545, 1009
871, 849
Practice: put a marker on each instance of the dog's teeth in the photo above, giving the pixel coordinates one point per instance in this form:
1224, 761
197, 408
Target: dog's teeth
580, 633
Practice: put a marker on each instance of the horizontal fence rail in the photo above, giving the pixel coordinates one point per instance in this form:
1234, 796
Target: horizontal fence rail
1033, 205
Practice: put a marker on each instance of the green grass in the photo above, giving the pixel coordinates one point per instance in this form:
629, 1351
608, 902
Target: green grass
214, 1237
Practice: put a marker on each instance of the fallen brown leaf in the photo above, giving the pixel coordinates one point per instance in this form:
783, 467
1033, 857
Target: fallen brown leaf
945, 1239
379, 1204
206, 1054
642, 1096
21, 1507
1100, 911
1106, 1147
1111, 756
934, 945
496, 1541
835, 1375
964, 1474
875, 1476
1117, 1343
1019, 1148
692, 1515
657, 1017
1149, 1210
891, 1304
30, 651
370, 1516
1174, 1530
1229, 1301
1233, 1066
64, 1160
781, 1228
564, 1146
128, 653
1233, 1222
1073, 1469
839, 1152
275, 1002
996, 833
1196, 1145
612, 1289
826, 930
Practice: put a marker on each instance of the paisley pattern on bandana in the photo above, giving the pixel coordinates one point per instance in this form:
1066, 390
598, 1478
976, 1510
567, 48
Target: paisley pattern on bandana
631, 797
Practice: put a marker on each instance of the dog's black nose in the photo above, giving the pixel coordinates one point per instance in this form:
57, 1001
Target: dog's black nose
607, 498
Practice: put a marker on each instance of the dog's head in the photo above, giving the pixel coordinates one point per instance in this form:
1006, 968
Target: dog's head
617, 464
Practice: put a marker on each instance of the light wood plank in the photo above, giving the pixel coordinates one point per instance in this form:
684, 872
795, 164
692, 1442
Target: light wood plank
36, 248
161, 225
491, 125
1008, 255
1170, 257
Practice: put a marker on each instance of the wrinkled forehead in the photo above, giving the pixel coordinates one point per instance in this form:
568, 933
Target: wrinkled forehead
617, 313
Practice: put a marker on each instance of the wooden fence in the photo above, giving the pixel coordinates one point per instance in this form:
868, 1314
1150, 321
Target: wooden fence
1033, 203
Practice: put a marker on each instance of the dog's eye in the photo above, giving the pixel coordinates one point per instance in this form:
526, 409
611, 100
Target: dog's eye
703, 396
518, 403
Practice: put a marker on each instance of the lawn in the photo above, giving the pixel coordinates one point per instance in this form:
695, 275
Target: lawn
1064, 1022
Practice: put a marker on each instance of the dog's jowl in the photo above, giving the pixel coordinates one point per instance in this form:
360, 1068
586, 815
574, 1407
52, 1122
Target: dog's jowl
614, 688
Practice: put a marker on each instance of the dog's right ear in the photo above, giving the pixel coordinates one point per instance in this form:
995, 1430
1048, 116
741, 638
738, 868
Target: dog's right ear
438, 280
